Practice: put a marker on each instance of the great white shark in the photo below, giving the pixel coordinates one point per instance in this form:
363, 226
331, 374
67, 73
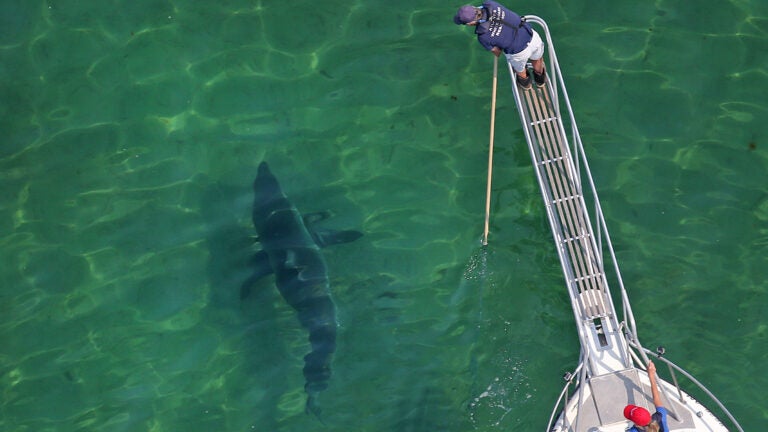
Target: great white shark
290, 248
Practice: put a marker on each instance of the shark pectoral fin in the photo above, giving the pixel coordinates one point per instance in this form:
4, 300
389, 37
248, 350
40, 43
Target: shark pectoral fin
325, 238
261, 268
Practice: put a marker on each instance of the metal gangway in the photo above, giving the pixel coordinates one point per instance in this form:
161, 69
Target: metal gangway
611, 371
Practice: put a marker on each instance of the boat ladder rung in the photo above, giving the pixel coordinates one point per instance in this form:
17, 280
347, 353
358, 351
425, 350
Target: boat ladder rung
544, 120
576, 238
552, 160
564, 199
597, 275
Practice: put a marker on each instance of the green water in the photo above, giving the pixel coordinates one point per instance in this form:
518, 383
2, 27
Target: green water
131, 131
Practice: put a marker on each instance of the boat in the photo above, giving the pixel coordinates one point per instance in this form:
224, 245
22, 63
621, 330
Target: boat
612, 366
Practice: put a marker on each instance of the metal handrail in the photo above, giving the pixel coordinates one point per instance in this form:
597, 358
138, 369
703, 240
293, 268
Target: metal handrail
582, 380
563, 398
557, 84
553, 77
690, 377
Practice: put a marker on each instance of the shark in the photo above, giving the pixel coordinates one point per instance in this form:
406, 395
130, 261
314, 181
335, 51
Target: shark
291, 250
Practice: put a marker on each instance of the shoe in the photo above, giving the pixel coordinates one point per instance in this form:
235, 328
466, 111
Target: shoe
540, 79
525, 83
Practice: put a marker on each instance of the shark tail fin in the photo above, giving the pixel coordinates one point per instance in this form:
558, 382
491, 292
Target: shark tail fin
313, 407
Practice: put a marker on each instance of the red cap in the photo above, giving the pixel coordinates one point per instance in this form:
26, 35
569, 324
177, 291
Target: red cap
638, 415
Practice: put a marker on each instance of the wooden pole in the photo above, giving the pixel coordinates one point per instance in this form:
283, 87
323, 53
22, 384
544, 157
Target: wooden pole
490, 151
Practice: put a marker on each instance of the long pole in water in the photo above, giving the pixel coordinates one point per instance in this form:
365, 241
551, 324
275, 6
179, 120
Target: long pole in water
490, 151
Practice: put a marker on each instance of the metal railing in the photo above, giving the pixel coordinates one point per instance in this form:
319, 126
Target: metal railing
560, 100
578, 376
672, 368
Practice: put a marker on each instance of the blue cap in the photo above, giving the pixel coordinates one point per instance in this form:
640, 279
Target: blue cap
465, 14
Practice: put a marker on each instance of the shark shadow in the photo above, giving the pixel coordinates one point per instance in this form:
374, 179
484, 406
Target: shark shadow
290, 249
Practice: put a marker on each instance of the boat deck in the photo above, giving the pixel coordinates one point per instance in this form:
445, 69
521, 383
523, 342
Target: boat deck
563, 193
608, 394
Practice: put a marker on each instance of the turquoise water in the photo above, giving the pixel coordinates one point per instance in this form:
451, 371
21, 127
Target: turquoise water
131, 132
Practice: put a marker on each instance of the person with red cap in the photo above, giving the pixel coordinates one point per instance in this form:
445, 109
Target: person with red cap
498, 29
642, 419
